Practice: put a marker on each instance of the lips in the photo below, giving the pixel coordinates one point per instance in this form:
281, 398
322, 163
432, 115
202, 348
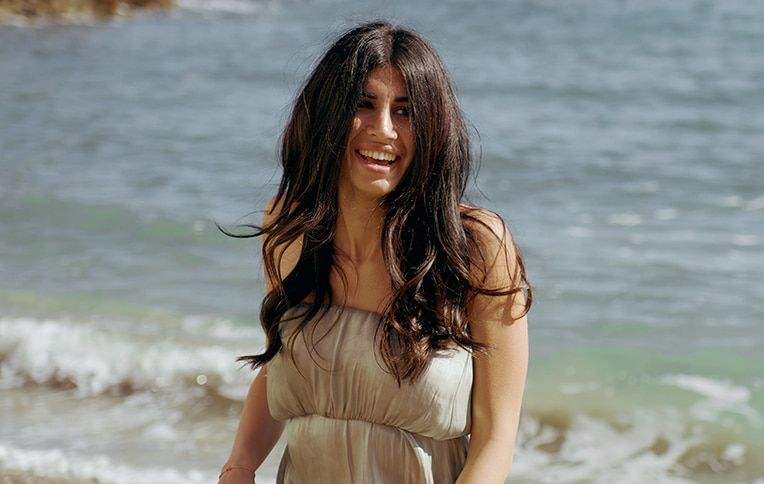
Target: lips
378, 157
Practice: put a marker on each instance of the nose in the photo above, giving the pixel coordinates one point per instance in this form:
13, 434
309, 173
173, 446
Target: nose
381, 125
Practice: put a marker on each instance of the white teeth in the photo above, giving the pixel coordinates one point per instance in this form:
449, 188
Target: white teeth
377, 155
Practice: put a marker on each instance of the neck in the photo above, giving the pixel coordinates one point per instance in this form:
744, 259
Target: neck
359, 229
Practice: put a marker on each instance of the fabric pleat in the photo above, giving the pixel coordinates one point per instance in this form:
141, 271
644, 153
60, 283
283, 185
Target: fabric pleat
348, 419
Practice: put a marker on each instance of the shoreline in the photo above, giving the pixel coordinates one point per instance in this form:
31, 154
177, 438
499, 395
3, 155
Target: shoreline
33, 12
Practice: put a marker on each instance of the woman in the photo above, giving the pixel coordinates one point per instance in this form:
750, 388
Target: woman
395, 312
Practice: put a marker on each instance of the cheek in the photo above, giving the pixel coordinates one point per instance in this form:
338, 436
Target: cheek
355, 128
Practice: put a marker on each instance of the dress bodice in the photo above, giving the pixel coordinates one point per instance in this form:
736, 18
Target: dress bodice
336, 391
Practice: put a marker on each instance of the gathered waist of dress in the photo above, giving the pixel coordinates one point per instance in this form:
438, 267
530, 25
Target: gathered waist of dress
363, 451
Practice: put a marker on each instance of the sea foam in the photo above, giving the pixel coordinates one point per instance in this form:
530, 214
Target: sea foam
27, 465
96, 361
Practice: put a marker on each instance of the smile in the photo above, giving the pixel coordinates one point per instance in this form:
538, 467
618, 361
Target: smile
377, 157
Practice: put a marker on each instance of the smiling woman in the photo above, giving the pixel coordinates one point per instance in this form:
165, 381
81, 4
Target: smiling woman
395, 314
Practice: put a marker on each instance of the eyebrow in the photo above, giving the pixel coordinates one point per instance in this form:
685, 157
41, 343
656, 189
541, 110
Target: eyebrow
369, 95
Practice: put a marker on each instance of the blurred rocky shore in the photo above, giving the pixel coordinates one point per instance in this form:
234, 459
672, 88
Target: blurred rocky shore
30, 12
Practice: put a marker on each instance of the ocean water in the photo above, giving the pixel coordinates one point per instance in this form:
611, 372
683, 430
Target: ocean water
621, 140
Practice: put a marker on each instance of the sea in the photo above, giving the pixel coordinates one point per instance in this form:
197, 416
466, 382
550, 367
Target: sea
621, 140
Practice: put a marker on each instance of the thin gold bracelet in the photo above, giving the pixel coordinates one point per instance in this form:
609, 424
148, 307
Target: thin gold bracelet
230, 468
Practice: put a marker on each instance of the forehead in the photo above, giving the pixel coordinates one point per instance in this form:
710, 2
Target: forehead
386, 79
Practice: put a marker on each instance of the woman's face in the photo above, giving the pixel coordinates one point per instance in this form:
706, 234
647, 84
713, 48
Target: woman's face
380, 144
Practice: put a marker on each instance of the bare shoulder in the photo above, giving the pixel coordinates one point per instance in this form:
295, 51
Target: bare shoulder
272, 210
488, 227
280, 256
495, 258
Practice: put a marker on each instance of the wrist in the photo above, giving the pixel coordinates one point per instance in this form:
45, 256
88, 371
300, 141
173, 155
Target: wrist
241, 459
235, 468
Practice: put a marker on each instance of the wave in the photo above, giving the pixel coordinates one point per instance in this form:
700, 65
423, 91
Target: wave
662, 448
56, 466
589, 415
94, 361
631, 416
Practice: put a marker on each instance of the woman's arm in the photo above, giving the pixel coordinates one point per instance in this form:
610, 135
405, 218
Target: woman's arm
256, 436
258, 432
499, 374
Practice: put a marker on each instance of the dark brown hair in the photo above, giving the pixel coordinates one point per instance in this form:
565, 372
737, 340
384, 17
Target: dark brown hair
427, 245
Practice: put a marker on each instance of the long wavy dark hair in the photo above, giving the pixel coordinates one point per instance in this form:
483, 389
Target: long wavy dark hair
426, 244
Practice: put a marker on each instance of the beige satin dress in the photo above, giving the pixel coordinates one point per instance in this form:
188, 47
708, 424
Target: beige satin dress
348, 419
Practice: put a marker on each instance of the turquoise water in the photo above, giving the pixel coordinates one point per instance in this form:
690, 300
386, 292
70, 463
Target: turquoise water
620, 140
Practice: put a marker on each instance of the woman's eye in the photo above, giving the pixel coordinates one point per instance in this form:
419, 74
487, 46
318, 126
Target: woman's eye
403, 111
365, 105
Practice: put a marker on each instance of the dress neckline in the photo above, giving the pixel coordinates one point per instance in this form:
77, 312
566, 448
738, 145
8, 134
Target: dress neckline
340, 308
